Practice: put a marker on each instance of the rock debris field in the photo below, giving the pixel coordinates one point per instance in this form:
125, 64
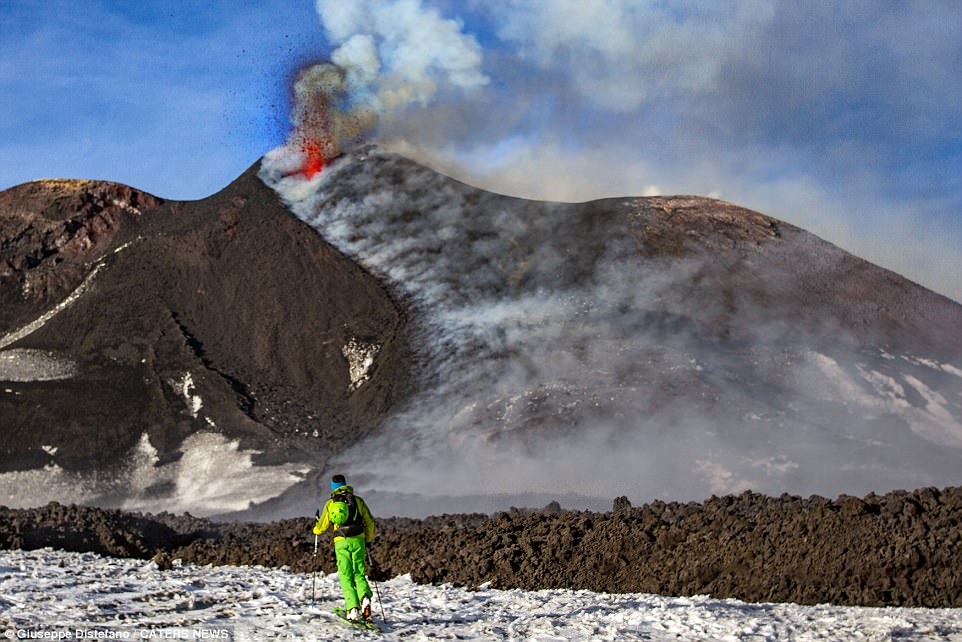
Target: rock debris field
898, 549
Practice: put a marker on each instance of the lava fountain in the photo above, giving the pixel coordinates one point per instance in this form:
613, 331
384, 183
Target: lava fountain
327, 120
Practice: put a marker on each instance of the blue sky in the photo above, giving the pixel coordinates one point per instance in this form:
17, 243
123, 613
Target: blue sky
176, 98
844, 118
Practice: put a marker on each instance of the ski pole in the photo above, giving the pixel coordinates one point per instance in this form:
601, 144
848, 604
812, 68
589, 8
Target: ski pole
314, 575
370, 563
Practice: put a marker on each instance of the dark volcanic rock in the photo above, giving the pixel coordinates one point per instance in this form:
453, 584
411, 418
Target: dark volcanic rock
899, 549
226, 314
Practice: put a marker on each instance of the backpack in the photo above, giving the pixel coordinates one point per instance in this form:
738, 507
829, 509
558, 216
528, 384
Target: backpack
344, 514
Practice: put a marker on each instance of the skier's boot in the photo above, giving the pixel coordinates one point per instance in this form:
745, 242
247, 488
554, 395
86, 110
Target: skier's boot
352, 615
366, 608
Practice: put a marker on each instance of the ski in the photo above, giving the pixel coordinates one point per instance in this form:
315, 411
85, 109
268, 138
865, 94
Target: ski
359, 624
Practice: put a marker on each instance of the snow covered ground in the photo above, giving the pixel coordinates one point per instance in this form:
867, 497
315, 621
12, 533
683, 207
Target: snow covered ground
56, 595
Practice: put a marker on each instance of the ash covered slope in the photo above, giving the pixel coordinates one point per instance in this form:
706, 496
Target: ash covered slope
653, 347
226, 316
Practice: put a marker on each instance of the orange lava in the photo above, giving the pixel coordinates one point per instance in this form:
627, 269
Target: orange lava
313, 159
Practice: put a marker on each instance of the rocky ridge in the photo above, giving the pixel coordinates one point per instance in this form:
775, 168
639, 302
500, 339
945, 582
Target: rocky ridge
898, 549
51, 231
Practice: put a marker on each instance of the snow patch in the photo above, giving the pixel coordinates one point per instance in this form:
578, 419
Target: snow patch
42, 320
125, 206
186, 389
214, 475
360, 359
891, 391
934, 365
952, 370
935, 422
39, 322
25, 365
848, 389
52, 591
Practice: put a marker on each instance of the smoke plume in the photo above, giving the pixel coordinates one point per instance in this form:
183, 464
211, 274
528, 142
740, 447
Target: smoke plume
389, 57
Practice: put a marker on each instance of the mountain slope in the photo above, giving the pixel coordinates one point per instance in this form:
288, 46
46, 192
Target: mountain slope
225, 315
653, 347
440, 341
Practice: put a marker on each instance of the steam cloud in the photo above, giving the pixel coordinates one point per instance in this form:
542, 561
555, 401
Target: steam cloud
400, 52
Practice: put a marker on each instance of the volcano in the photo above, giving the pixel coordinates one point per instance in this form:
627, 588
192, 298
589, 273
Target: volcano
447, 344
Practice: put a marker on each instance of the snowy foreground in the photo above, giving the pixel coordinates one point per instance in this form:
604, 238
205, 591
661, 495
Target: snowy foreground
55, 595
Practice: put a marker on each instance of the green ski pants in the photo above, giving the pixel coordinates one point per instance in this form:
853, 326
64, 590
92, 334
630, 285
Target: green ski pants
350, 553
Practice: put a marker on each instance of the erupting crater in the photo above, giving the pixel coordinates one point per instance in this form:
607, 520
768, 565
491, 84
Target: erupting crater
313, 159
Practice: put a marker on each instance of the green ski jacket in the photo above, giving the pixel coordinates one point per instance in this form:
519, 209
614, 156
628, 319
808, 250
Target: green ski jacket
324, 521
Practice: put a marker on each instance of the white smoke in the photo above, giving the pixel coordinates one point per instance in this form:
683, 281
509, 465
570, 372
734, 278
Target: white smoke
400, 52
620, 55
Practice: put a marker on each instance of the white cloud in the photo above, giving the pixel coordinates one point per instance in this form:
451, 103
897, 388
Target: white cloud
413, 47
621, 54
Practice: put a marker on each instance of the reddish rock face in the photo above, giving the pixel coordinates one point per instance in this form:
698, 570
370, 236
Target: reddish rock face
51, 230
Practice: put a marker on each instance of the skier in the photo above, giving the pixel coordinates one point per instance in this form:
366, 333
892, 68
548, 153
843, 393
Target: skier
353, 529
